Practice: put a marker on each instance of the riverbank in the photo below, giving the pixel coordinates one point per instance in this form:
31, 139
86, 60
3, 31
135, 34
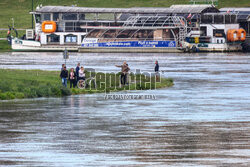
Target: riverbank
19, 9
4, 46
19, 84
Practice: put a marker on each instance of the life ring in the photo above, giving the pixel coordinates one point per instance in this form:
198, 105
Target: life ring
49, 26
232, 35
241, 34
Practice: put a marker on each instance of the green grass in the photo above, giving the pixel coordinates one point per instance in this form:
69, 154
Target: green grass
4, 46
19, 9
3, 33
36, 83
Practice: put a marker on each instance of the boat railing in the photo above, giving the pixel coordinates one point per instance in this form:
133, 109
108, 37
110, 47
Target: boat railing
133, 22
155, 21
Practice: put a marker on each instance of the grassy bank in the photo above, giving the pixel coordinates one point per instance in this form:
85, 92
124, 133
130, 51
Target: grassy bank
36, 83
3, 33
19, 9
4, 46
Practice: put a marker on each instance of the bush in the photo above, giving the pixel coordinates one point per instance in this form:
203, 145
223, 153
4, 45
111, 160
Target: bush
56, 91
10, 95
19, 95
7, 96
5, 86
65, 91
3, 96
43, 91
30, 92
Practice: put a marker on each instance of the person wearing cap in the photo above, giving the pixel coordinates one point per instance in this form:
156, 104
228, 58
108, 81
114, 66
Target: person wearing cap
64, 76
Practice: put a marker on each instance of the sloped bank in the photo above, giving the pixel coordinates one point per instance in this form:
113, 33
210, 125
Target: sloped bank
19, 84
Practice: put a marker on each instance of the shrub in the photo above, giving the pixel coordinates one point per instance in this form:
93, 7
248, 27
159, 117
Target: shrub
7, 96
19, 95
65, 91
5, 86
30, 92
56, 91
10, 95
3, 96
43, 91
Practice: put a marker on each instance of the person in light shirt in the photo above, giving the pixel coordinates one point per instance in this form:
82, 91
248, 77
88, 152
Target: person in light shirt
81, 74
72, 78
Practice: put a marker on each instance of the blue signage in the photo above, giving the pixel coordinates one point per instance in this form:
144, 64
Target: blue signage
132, 44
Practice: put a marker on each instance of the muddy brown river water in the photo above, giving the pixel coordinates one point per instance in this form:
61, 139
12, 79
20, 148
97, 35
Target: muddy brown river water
203, 120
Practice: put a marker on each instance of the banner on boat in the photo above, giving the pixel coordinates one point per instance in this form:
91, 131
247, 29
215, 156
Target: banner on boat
132, 44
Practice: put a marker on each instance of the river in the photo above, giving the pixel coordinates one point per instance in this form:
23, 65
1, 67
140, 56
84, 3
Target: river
203, 120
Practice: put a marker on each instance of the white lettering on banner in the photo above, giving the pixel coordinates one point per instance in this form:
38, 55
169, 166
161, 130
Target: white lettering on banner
141, 42
132, 44
118, 43
48, 26
90, 40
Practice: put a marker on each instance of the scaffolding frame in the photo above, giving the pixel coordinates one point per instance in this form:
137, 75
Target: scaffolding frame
144, 22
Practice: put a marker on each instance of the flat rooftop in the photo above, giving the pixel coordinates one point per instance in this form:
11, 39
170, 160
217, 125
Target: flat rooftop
143, 10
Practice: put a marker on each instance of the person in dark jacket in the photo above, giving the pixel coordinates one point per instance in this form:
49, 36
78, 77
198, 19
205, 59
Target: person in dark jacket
64, 76
72, 78
77, 71
157, 70
156, 67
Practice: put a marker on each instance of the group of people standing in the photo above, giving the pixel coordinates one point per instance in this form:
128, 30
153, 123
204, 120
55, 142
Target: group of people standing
73, 76
79, 74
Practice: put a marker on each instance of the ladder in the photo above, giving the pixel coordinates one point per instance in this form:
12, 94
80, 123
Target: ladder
182, 35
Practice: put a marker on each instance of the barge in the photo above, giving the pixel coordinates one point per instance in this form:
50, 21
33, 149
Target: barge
179, 28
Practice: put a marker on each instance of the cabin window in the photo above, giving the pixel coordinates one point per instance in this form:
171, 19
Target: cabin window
70, 38
203, 31
207, 18
82, 17
69, 16
69, 26
218, 41
55, 16
90, 16
218, 19
227, 19
219, 33
233, 19
77, 27
46, 16
105, 16
53, 38
38, 18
